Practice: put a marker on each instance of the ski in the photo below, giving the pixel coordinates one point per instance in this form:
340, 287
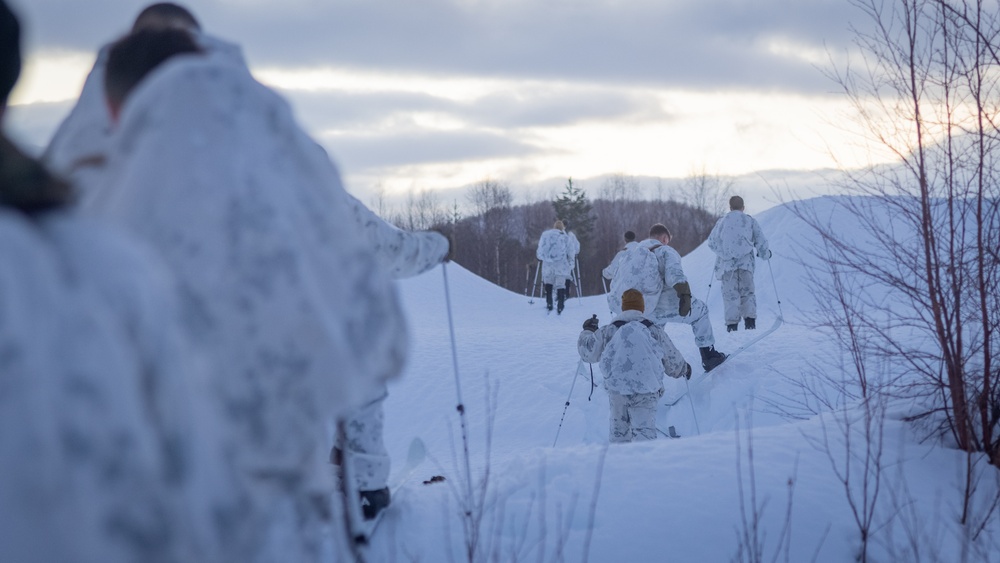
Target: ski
414, 457
670, 433
731, 355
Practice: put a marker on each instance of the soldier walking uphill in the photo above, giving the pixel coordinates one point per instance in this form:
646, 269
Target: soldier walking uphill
674, 303
634, 355
734, 239
555, 251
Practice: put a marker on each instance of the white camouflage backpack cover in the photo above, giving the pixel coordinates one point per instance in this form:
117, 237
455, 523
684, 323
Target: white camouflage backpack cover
638, 269
632, 361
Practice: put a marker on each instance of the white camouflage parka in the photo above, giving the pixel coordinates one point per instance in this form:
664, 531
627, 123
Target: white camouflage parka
278, 285
734, 239
555, 250
636, 361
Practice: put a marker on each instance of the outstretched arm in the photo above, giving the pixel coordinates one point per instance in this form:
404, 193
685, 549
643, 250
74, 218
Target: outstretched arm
401, 253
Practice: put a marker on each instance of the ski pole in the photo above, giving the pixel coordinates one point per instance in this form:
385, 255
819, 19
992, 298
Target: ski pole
578, 280
527, 278
769, 269
711, 280
565, 408
592, 384
458, 386
691, 401
534, 285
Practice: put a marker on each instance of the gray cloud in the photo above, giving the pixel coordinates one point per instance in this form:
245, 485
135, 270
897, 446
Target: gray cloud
543, 107
694, 43
395, 150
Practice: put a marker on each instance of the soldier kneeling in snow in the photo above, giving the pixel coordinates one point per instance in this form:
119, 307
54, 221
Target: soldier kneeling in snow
634, 354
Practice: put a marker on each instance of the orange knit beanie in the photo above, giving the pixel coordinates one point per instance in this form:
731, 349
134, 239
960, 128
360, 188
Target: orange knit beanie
632, 300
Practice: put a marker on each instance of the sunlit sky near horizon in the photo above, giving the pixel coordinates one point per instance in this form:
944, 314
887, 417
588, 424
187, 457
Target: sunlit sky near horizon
435, 94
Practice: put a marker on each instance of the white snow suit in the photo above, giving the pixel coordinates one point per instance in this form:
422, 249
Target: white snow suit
612, 269
609, 273
108, 446
633, 359
666, 309
556, 251
637, 269
298, 319
401, 254
734, 239
79, 148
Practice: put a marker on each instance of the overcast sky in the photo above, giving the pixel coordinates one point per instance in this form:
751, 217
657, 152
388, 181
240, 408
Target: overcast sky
431, 94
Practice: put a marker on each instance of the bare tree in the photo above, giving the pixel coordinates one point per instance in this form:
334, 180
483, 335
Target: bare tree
929, 93
491, 203
708, 192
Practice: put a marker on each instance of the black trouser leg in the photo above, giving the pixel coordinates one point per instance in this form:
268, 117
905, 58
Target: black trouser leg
561, 298
548, 296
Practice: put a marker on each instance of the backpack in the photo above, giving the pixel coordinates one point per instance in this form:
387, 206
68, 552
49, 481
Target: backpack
559, 247
636, 366
640, 269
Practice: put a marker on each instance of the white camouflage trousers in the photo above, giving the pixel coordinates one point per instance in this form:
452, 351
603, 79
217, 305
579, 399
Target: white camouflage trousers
365, 448
633, 417
701, 326
738, 296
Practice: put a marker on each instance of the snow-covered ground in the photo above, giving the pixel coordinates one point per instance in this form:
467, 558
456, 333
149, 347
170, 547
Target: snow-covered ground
688, 499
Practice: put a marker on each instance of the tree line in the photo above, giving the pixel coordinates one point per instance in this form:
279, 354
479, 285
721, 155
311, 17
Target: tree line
496, 239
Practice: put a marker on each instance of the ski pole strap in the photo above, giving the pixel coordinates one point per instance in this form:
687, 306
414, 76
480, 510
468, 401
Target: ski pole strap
648, 323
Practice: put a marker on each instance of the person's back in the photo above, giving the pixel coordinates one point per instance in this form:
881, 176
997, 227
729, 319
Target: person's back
634, 355
280, 288
555, 251
102, 454
638, 269
734, 239
79, 148
675, 303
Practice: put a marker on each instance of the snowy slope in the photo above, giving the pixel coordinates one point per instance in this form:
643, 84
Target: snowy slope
675, 500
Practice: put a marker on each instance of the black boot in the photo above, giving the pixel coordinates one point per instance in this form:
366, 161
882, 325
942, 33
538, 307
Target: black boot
548, 296
711, 358
733, 327
561, 298
373, 502
749, 324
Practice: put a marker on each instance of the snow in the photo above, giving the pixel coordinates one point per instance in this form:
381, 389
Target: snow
670, 499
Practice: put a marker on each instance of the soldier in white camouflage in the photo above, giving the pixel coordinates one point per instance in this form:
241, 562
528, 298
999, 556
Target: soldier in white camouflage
556, 252
734, 239
634, 355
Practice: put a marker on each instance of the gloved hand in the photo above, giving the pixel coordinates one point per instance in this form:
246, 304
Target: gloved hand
660, 392
591, 324
451, 245
686, 374
766, 255
683, 290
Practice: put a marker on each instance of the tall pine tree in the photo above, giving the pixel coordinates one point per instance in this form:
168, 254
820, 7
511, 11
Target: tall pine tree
575, 211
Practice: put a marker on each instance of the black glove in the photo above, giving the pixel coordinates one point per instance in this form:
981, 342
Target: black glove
451, 244
687, 371
591, 324
766, 255
684, 294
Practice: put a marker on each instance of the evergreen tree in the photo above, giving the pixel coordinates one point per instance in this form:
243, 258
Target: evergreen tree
575, 210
